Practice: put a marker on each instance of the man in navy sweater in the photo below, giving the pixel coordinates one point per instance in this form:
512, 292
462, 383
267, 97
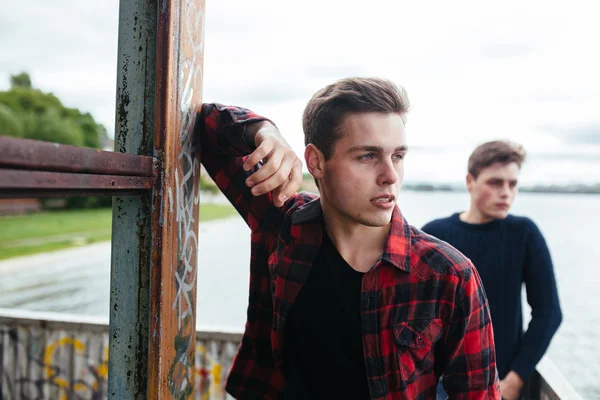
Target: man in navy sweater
506, 250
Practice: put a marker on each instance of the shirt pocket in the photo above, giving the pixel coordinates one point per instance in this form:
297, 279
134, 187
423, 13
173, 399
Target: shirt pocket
415, 344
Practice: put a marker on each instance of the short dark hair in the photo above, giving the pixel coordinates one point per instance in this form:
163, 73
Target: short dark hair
326, 110
497, 151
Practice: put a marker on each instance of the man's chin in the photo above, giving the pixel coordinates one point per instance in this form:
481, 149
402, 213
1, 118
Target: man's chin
500, 214
376, 221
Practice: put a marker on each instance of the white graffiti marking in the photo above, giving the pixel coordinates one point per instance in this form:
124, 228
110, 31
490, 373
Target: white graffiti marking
187, 187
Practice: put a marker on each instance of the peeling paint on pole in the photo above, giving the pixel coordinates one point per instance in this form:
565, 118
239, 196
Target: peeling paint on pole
153, 275
176, 200
132, 222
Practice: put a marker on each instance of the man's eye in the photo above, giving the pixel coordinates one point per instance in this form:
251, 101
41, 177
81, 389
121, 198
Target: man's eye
366, 157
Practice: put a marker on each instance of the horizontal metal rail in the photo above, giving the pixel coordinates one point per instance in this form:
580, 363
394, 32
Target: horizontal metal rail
12, 180
45, 156
31, 168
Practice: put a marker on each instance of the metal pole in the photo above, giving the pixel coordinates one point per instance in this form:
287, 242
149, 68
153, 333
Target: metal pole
176, 200
153, 278
132, 216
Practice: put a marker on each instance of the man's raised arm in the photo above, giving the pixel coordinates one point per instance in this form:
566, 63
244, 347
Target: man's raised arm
249, 160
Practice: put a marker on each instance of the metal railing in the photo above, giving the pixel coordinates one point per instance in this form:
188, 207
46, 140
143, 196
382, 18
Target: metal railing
30, 168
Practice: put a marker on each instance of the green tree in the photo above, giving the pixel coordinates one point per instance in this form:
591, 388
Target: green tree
44, 117
22, 100
93, 133
51, 127
20, 80
10, 124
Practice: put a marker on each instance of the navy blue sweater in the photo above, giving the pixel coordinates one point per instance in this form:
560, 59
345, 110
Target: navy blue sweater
506, 253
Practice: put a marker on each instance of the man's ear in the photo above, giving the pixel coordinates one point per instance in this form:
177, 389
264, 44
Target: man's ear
315, 161
470, 180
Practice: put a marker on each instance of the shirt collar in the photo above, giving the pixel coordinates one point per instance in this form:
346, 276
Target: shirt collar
397, 247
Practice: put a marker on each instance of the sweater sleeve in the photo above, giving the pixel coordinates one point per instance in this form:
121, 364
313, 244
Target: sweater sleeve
542, 296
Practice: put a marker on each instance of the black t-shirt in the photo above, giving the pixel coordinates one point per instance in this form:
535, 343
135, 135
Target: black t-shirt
323, 351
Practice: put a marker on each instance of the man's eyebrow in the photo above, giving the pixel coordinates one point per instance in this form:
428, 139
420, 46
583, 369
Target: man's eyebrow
375, 149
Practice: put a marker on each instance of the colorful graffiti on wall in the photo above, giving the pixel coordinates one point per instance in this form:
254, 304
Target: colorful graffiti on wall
37, 363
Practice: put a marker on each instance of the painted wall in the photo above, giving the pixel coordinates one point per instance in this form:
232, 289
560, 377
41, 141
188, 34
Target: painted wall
41, 359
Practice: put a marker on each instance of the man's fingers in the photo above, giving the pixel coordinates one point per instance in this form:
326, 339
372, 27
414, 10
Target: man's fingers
276, 195
281, 173
274, 179
260, 153
290, 187
267, 170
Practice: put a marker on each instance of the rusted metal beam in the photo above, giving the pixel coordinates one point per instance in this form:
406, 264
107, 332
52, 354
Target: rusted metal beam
36, 155
15, 180
179, 58
42, 193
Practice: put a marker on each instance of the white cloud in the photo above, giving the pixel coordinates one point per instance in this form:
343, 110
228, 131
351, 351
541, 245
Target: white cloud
473, 71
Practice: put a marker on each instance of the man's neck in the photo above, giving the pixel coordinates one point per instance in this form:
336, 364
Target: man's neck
360, 245
473, 216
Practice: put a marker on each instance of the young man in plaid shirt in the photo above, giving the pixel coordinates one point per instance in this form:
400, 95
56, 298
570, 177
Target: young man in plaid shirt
347, 300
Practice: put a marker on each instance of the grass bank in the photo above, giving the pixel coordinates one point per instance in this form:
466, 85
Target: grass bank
34, 233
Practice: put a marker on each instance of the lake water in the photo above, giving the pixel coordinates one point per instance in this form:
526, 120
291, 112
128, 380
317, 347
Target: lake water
77, 280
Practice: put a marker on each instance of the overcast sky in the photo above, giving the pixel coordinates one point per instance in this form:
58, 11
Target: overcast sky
473, 71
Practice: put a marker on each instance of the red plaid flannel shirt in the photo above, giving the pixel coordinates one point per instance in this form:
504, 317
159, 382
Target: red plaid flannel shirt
424, 311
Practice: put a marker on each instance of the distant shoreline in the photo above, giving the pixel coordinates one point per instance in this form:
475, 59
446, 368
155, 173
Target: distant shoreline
574, 188
568, 189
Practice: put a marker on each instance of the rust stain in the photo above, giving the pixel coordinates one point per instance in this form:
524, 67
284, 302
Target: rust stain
175, 203
15, 180
29, 154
